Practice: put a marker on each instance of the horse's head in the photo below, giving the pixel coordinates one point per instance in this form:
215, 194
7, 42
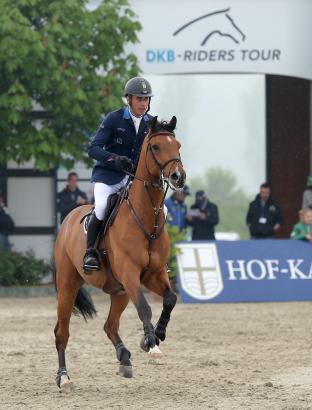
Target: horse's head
218, 23
163, 159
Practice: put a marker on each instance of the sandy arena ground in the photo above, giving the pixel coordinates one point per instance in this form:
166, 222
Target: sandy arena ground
230, 356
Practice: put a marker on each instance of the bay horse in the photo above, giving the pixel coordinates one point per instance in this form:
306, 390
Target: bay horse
137, 247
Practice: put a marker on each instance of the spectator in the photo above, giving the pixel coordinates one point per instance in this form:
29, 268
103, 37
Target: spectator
307, 195
203, 217
303, 229
6, 225
264, 215
177, 208
70, 197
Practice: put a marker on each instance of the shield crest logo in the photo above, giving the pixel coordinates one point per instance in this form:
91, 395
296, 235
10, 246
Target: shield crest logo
199, 270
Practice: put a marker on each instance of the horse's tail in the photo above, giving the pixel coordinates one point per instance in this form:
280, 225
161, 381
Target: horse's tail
84, 305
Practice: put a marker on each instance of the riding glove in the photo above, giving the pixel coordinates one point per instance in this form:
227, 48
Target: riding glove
123, 163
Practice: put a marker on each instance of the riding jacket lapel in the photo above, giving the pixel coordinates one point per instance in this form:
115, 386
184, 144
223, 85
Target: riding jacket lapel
129, 122
143, 128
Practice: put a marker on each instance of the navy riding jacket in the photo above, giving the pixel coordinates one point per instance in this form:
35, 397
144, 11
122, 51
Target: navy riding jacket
116, 135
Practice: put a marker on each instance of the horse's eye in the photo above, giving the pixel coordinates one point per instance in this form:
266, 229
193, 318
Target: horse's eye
155, 147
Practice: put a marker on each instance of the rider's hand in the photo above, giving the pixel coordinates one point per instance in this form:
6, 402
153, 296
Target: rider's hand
124, 163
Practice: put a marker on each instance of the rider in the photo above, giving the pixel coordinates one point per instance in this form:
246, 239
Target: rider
116, 146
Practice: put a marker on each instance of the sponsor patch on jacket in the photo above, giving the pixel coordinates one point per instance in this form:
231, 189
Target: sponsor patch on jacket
118, 140
121, 129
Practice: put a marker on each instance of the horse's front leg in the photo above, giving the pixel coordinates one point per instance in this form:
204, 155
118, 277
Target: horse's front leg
159, 284
132, 286
111, 327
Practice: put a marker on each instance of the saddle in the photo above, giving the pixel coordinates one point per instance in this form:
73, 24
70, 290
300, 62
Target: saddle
114, 203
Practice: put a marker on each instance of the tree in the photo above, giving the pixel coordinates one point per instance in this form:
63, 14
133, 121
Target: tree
62, 66
222, 189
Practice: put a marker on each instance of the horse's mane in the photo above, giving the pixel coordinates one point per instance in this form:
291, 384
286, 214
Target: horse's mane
159, 126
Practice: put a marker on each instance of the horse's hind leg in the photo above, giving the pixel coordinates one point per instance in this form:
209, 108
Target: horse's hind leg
68, 282
160, 285
111, 327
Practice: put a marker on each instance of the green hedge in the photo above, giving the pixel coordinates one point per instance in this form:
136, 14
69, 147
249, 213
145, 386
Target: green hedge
175, 236
21, 269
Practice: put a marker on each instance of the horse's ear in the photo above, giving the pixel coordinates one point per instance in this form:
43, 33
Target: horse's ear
173, 123
154, 123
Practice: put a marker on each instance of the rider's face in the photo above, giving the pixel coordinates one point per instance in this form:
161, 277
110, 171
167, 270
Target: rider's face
138, 105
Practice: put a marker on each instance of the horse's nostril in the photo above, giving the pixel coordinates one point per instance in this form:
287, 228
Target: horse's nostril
175, 176
181, 181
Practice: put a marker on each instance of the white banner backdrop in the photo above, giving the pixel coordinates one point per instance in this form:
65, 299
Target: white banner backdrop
200, 36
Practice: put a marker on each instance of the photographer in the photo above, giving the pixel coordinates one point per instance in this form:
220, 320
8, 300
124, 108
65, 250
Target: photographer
203, 217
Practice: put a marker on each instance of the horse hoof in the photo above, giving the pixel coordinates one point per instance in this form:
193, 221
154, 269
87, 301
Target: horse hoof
66, 385
143, 344
125, 371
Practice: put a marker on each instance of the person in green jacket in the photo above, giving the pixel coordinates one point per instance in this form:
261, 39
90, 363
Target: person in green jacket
303, 229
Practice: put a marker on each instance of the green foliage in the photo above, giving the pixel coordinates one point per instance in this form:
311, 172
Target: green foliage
21, 269
67, 62
222, 189
175, 236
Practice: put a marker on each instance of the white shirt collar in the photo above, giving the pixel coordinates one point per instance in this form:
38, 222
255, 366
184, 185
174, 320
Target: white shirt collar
136, 120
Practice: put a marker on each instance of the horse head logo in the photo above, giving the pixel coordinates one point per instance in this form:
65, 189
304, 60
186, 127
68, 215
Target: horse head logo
217, 23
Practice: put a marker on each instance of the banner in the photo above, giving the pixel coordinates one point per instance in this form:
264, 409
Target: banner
201, 36
245, 271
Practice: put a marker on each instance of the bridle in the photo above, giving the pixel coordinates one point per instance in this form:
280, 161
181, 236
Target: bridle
162, 184
161, 167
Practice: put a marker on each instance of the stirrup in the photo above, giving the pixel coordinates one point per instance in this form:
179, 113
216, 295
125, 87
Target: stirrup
95, 263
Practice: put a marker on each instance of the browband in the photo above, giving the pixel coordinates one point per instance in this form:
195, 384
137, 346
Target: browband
171, 134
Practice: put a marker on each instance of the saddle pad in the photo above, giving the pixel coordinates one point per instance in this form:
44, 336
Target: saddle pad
111, 210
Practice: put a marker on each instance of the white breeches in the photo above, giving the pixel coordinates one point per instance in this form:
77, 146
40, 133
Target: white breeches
103, 191
101, 194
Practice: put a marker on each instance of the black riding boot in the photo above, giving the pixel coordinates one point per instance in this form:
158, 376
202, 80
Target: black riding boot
91, 258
